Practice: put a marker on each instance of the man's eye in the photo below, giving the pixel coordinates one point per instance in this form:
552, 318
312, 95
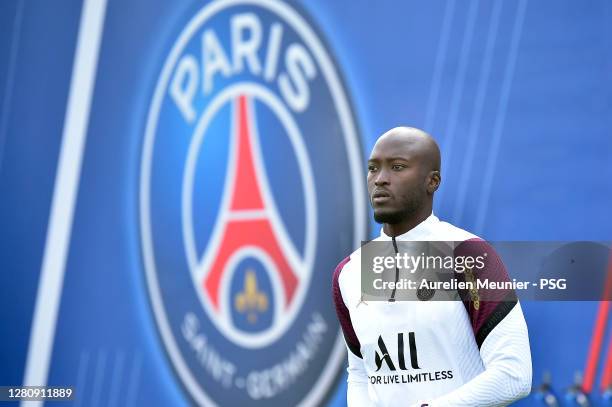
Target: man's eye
371, 168
397, 167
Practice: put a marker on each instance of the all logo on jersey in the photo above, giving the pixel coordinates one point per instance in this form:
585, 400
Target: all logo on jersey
251, 191
383, 354
401, 366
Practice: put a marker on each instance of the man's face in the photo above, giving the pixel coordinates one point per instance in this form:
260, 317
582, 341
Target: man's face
397, 181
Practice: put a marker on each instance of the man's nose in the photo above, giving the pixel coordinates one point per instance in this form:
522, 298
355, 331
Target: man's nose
382, 178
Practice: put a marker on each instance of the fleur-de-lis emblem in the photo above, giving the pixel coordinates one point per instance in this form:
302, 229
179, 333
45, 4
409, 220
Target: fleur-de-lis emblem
250, 300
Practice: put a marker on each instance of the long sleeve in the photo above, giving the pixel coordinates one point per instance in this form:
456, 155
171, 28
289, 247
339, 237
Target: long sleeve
500, 332
357, 394
507, 360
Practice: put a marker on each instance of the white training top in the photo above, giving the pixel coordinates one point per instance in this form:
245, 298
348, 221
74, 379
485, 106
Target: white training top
432, 353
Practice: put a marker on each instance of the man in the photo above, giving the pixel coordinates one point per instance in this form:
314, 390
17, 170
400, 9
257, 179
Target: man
426, 353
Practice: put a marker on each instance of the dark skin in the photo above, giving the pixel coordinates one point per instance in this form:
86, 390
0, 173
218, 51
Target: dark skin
403, 175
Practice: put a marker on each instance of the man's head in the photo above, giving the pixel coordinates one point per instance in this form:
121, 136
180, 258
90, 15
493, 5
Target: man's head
403, 174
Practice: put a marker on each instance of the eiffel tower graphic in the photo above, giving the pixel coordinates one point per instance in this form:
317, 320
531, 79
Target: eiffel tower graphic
246, 218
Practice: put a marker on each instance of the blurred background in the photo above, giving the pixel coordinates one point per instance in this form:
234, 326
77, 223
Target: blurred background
178, 181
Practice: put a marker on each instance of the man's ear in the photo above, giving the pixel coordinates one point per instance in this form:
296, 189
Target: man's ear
433, 181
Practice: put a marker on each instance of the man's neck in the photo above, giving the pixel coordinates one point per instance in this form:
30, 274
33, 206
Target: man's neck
397, 229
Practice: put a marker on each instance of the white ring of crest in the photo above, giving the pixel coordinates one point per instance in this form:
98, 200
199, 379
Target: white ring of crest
291, 17
200, 268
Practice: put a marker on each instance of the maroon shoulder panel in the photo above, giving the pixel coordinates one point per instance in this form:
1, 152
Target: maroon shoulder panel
343, 313
485, 314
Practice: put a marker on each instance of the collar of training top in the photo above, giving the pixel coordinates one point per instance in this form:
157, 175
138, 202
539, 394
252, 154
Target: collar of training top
419, 232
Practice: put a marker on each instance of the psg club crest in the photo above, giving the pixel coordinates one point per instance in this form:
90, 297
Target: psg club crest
251, 191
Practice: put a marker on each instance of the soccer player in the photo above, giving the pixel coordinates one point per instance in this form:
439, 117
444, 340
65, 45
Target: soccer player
426, 353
